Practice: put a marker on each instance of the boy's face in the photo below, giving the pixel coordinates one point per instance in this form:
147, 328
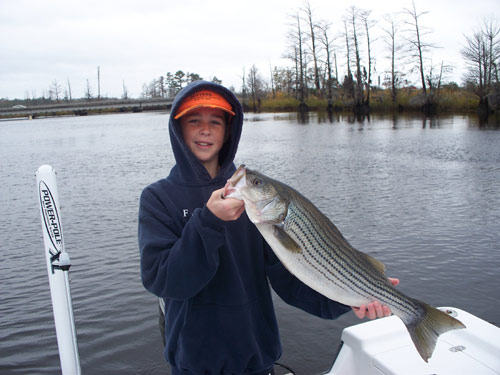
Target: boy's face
203, 131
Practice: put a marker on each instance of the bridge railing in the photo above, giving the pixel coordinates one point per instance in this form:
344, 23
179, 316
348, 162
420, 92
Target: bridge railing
87, 105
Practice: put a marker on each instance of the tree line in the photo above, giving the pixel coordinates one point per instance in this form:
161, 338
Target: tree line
169, 85
482, 55
318, 50
337, 63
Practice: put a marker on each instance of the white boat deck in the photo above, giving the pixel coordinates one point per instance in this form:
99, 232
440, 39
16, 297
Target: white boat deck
384, 347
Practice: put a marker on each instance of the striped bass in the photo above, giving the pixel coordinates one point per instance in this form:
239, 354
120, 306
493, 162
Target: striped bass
312, 248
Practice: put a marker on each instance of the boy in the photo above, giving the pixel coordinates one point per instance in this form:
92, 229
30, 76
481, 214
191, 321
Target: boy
206, 260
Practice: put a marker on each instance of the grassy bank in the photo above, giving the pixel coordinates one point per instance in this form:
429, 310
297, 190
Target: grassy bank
448, 100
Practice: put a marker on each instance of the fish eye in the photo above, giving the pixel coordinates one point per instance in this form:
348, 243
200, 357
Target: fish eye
257, 182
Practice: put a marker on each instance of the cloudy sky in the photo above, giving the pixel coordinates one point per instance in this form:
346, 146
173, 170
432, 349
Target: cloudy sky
135, 41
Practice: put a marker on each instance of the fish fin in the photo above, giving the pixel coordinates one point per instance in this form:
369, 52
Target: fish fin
285, 239
425, 331
379, 266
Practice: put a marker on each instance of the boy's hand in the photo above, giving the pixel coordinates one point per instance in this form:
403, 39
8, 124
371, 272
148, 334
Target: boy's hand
227, 209
375, 309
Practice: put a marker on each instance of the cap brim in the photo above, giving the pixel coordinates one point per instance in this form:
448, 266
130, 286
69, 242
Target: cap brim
180, 114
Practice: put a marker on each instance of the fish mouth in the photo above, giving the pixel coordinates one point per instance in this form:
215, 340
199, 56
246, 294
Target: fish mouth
234, 183
237, 176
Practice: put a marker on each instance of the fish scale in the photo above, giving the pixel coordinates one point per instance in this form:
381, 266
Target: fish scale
312, 248
316, 246
328, 257
296, 224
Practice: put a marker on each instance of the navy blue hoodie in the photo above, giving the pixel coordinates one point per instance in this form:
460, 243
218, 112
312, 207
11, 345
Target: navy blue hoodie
212, 274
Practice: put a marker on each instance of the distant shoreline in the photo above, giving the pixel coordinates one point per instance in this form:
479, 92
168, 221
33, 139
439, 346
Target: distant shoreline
409, 101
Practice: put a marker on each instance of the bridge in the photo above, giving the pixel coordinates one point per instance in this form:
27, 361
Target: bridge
81, 108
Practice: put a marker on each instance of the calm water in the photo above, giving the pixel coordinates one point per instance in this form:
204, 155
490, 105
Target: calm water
422, 196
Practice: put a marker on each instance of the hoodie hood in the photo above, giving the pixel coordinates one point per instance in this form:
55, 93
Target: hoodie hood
188, 169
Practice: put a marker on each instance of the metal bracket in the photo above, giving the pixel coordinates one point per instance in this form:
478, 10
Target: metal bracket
60, 261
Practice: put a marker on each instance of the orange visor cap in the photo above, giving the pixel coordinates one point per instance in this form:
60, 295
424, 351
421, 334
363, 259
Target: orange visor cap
203, 98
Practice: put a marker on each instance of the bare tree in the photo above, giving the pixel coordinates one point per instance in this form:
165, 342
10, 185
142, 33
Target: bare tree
125, 91
161, 85
348, 84
272, 80
27, 95
144, 91
88, 92
482, 55
435, 81
69, 90
255, 85
325, 40
491, 30
353, 15
296, 80
55, 90
296, 54
98, 82
312, 26
392, 31
368, 23
336, 69
153, 89
348, 48
301, 63
284, 81
355, 36
418, 47
244, 91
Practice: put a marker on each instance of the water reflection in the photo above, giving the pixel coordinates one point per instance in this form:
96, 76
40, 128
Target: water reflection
397, 120
491, 122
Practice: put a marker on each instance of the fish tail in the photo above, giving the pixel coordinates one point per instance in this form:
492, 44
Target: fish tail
425, 330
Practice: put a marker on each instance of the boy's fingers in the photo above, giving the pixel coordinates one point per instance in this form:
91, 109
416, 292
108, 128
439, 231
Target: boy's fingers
371, 314
387, 311
379, 312
360, 311
394, 281
372, 311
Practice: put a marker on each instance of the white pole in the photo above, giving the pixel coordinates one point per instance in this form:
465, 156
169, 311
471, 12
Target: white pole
57, 267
